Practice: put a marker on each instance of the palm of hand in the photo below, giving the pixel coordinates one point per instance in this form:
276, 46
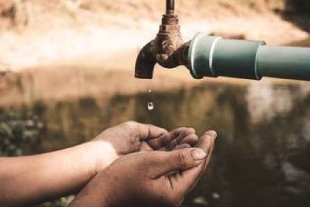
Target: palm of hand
151, 178
133, 137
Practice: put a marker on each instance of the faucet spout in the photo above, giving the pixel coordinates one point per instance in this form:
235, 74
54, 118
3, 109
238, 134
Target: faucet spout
145, 62
167, 49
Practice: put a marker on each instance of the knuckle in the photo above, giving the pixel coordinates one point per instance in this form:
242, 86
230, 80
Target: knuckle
132, 126
181, 160
131, 123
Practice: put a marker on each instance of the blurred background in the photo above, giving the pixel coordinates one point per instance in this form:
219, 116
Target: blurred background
67, 73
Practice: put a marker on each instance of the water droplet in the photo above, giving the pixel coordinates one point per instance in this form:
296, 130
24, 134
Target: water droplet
150, 106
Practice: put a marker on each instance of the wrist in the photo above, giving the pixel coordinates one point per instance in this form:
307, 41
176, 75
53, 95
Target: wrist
104, 154
94, 193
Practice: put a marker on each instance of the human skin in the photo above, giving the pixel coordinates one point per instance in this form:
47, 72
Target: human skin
152, 179
134, 137
30, 180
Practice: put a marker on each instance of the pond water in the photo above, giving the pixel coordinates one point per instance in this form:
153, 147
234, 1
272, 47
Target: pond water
263, 145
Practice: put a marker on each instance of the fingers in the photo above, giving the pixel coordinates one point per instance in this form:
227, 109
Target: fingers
209, 135
159, 142
172, 139
174, 161
181, 136
190, 139
188, 179
177, 139
182, 146
205, 140
146, 131
157, 137
182, 131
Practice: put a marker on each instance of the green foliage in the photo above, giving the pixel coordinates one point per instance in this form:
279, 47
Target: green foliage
19, 135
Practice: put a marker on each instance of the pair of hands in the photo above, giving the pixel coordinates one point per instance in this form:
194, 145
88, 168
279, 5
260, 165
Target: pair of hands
144, 165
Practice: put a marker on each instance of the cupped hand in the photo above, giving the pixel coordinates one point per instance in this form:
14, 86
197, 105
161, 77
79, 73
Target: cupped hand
133, 137
149, 178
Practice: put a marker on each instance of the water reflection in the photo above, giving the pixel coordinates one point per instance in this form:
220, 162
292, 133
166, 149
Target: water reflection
261, 156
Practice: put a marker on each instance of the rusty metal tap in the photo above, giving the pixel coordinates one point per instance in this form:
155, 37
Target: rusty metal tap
167, 49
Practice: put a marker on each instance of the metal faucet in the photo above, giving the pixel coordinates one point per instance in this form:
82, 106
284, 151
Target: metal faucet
167, 49
214, 56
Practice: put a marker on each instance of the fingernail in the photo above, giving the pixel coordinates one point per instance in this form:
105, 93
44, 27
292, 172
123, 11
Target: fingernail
211, 134
199, 154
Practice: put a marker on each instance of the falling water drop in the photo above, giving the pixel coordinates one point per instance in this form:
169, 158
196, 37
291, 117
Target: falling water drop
150, 106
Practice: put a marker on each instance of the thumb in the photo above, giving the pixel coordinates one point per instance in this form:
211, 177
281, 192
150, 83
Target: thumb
183, 159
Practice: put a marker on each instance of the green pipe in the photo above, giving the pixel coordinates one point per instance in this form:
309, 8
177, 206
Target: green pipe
214, 56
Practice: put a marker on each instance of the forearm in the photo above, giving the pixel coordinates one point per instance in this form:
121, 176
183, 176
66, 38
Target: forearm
89, 199
35, 179
93, 194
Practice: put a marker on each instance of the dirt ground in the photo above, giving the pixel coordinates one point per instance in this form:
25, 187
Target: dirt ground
29, 48
55, 55
45, 34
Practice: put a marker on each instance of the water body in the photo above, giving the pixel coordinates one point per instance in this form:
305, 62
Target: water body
263, 146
